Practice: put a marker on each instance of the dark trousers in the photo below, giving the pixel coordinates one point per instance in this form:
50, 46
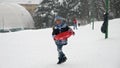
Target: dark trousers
75, 26
59, 49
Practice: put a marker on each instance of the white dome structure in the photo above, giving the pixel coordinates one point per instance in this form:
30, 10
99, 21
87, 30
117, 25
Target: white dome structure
13, 17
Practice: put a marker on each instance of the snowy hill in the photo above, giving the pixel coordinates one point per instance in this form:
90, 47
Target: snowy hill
22, 1
87, 49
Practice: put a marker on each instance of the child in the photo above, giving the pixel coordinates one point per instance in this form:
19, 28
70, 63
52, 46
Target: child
60, 27
75, 24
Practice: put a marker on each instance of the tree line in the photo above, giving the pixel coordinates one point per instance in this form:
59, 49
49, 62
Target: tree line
83, 10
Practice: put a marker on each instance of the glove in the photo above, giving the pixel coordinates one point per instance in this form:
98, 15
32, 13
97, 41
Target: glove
73, 33
53, 37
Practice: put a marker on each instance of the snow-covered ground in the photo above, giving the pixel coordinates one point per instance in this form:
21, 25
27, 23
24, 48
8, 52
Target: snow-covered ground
87, 49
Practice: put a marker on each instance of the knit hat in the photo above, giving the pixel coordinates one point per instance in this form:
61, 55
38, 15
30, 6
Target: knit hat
58, 18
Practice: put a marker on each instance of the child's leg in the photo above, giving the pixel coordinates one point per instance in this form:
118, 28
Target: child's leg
74, 26
59, 49
62, 58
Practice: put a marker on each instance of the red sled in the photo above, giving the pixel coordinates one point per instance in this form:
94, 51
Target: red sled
63, 35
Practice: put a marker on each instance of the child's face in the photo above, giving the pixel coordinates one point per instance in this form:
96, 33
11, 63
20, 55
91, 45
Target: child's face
58, 21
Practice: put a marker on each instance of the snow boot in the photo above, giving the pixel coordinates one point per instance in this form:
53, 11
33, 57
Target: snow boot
62, 59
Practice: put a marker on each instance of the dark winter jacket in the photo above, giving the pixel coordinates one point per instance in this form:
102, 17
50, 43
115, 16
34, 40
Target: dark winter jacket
59, 29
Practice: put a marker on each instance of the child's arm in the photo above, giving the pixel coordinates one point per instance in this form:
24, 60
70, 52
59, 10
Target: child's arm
54, 33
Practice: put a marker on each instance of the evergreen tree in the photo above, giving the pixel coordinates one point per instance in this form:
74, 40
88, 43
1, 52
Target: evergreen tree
115, 8
44, 14
81, 9
47, 10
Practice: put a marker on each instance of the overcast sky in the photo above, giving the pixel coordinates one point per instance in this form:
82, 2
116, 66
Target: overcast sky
22, 1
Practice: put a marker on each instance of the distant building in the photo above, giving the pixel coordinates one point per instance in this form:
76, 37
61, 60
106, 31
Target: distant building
14, 17
30, 7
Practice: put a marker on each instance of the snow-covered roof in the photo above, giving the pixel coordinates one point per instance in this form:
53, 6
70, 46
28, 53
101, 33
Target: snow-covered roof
60, 1
14, 16
22, 1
